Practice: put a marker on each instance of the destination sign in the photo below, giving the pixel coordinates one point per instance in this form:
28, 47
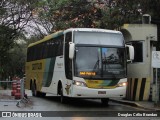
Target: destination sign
87, 73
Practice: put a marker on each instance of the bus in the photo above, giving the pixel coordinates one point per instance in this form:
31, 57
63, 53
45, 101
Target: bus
79, 63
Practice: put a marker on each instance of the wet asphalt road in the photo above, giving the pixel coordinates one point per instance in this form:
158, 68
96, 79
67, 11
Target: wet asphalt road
53, 104
78, 109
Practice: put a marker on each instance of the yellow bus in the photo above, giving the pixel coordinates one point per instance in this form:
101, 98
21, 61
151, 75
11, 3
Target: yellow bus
79, 63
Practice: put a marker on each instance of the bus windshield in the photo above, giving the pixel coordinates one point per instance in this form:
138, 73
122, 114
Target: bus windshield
100, 62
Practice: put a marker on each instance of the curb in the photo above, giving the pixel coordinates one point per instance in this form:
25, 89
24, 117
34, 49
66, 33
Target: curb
134, 104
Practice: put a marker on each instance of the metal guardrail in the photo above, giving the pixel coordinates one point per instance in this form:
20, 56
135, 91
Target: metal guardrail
7, 86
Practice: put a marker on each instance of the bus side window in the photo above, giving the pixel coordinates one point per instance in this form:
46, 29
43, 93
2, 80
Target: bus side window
52, 52
60, 46
29, 54
34, 52
68, 62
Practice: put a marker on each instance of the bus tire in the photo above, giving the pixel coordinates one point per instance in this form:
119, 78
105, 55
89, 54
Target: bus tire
30, 84
34, 90
62, 98
43, 94
105, 101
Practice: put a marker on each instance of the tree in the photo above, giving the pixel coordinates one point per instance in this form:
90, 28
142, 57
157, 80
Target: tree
40, 17
108, 14
14, 16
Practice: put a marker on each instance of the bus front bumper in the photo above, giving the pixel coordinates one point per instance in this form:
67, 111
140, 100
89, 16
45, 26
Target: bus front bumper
85, 92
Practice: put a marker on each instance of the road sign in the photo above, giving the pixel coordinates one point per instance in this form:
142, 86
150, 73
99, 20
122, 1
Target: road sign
156, 59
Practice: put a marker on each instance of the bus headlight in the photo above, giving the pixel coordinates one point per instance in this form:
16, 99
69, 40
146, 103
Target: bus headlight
79, 83
122, 84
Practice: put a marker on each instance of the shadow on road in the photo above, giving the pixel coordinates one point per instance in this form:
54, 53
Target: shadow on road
76, 102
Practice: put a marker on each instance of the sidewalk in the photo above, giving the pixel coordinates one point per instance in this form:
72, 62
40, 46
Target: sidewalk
147, 105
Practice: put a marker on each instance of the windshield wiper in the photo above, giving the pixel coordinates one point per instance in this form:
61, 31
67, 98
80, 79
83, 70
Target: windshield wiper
105, 62
96, 64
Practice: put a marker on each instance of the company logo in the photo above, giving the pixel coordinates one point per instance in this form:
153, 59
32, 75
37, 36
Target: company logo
6, 114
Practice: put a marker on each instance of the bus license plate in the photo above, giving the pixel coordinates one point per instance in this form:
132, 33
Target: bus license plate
101, 92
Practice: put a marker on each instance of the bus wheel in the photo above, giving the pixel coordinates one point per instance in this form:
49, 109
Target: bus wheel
34, 91
105, 101
43, 94
30, 84
62, 98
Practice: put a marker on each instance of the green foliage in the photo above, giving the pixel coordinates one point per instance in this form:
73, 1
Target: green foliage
14, 15
14, 61
89, 13
6, 39
62, 14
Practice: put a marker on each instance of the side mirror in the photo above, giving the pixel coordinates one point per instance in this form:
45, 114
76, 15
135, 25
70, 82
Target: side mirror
130, 53
71, 50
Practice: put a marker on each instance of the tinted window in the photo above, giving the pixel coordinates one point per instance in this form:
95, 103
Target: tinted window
68, 62
47, 49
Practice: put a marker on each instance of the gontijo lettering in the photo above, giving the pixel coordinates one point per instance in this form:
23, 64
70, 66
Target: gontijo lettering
37, 66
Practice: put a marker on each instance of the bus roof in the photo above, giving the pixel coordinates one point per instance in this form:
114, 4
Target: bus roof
53, 35
91, 30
